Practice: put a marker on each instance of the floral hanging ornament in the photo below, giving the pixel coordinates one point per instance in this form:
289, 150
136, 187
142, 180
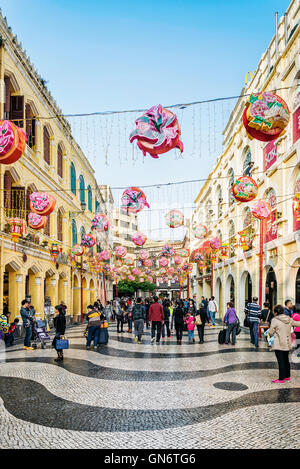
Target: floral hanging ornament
17, 228
163, 261
78, 250
215, 243
128, 261
147, 262
150, 278
261, 209
174, 219
171, 271
100, 222
133, 200
12, 142
143, 254
244, 189
266, 116
168, 251
296, 205
224, 251
187, 267
178, 260
138, 238
141, 280
157, 131
199, 231
42, 203
131, 278
120, 251
105, 255
55, 250
118, 263
163, 271
36, 222
136, 271
88, 241
183, 252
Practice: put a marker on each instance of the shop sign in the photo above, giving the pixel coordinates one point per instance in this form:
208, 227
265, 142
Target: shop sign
296, 125
270, 155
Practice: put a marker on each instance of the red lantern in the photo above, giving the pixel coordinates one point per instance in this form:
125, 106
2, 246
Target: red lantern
244, 189
17, 228
296, 205
55, 250
224, 251
12, 142
36, 222
244, 241
42, 203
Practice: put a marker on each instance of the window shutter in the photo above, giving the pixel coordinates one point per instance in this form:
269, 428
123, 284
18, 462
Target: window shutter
59, 161
73, 179
59, 226
17, 110
7, 193
28, 125
7, 97
46, 146
18, 203
47, 227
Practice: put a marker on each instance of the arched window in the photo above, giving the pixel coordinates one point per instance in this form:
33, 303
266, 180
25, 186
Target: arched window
59, 161
247, 218
82, 190
82, 232
74, 232
97, 207
231, 238
30, 125
59, 226
220, 200
231, 181
46, 139
247, 162
73, 178
90, 199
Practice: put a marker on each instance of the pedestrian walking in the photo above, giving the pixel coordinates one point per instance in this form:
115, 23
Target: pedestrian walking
108, 311
231, 320
190, 320
138, 316
27, 318
296, 317
253, 312
119, 316
179, 316
94, 325
213, 309
166, 323
281, 331
288, 308
200, 320
156, 316
129, 314
60, 327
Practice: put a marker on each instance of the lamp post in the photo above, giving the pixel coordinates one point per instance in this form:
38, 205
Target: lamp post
81, 293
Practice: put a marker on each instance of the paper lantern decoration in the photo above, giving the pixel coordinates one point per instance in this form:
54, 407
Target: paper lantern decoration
133, 200
143, 254
136, 271
199, 231
147, 262
266, 116
150, 278
261, 210
100, 222
106, 269
168, 251
244, 189
120, 251
118, 263
224, 251
105, 255
178, 260
296, 205
55, 250
138, 238
214, 257
174, 219
171, 271
128, 261
42, 203
244, 240
187, 267
12, 142
88, 241
215, 243
78, 250
157, 131
183, 252
36, 222
141, 280
17, 228
163, 261
160, 280
131, 278
163, 271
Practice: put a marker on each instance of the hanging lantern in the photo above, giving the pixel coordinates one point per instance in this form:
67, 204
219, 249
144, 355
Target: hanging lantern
296, 205
147, 262
131, 278
128, 261
17, 228
261, 209
157, 131
36, 222
12, 142
244, 240
163, 271
120, 251
143, 254
100, 222
138, 238
141, 280
55, 250
105, 255
215, 243
178, 260
136, 271
183, 252
187, 267
133, 200
266, 116
174, 219
163, 261
171, 271
214, 257
150, 278
118, 263
88, 241
78, 250
168, 251
244, 189
224, 251
199, 231
42, 203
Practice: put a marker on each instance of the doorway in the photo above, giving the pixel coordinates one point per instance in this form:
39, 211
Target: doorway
271, 288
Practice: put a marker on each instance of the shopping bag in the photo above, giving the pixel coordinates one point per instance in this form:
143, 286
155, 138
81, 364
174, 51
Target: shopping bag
62, 343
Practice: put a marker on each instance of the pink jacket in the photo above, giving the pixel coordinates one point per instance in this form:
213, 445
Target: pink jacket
190, 323
296, 317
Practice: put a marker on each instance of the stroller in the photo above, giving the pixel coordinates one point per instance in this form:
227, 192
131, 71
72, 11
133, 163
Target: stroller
40, 333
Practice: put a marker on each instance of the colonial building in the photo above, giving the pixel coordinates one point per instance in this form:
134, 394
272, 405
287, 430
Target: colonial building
276, 168
54, 163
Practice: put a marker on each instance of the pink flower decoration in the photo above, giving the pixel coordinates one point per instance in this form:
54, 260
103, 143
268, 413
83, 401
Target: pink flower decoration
139, 238
7, 137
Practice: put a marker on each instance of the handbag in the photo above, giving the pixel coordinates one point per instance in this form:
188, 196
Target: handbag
198, 320
265, 325
246, 322
104, 324
238, 327
62, 343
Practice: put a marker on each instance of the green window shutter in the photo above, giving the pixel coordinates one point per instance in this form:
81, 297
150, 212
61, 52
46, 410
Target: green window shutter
73, 179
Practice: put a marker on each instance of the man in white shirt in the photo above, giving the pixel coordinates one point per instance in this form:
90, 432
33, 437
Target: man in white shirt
212, 308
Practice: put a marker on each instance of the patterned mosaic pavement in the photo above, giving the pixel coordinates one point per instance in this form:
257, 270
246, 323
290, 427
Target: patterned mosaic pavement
128, 395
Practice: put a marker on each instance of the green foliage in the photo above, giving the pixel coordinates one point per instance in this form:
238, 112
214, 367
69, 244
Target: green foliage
128, 288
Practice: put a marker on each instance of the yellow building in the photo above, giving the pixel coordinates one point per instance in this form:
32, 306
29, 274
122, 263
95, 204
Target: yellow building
276, 169
53, 163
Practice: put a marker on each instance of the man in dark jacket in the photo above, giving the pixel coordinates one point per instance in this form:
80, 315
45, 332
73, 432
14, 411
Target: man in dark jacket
166, 322
27, 323
94, 325
138, 316
156, 316
253, 312
288, 309
201, 317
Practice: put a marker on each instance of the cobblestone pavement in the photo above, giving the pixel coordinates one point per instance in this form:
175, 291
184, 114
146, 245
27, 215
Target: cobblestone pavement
128, 395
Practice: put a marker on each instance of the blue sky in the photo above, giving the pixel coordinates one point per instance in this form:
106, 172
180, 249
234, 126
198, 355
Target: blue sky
108, 55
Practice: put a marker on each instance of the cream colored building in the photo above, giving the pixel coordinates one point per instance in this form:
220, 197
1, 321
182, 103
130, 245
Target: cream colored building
276, 169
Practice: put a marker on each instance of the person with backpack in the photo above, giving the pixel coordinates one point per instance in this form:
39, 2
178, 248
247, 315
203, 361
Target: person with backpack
231, 320
213, 309
200, 320
139, 317
94, 325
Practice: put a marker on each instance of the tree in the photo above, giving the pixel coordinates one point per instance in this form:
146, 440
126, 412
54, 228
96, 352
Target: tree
129, 288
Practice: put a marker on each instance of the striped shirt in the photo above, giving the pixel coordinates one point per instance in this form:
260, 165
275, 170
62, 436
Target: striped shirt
253, 311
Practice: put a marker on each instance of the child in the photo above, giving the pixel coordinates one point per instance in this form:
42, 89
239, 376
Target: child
9, 337
190, 321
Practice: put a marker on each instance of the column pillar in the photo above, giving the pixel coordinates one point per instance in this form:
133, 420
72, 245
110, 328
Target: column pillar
38, 138
36, 290
52, 289
16, 292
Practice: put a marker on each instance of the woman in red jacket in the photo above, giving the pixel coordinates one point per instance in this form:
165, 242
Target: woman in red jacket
156, 316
